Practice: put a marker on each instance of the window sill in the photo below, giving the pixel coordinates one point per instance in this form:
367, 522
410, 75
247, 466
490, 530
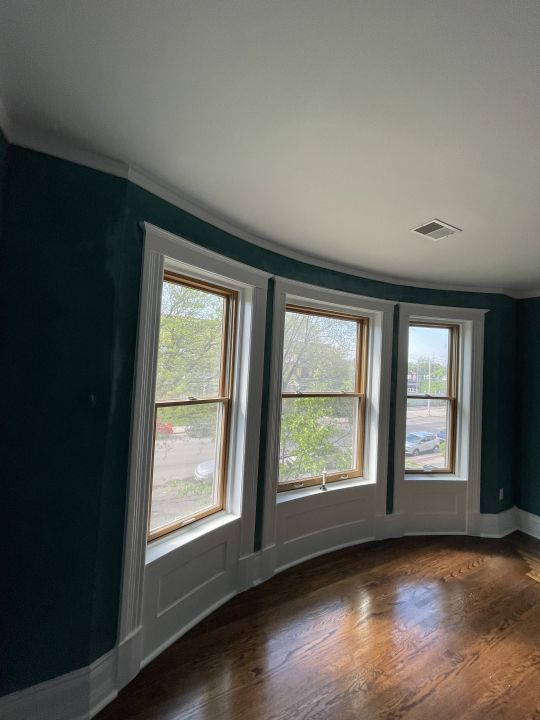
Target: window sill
183, 536
434, 476
284, 497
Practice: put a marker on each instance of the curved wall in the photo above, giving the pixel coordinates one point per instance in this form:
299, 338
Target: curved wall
71, 259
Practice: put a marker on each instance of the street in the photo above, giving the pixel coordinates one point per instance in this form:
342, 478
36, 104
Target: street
175, 492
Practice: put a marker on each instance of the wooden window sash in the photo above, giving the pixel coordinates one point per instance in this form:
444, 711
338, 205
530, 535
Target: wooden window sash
358, 393
223, 400
451, 398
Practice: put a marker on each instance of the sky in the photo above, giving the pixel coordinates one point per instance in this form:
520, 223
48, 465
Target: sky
428, 342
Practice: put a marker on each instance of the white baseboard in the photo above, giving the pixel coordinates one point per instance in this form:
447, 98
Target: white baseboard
389, 526
256, 568
103, 682
501, 524
78, 695
528, 523
129, 658
81, 694
496, 525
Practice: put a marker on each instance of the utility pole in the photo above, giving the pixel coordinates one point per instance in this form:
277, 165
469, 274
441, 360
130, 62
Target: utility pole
429, 386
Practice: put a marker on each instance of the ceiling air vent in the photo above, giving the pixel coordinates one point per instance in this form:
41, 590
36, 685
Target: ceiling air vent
436, 229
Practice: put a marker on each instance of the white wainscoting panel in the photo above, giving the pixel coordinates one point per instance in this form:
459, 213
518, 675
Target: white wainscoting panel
436, 507
323, 521
184, 585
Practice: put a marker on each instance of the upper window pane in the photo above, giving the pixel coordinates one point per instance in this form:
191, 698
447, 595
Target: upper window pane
319, 353
427, 372
190, 343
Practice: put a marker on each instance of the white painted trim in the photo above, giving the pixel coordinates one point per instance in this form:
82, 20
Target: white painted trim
42, 141
5, 123
130, 621
165, 250
524, 294
20, 133
495, 525
421, 311
469, 426
389, 526
380, 315
78, 695
256, 568
528, 523
201, 261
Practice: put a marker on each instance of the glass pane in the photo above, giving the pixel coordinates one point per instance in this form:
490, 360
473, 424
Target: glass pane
428, 360
317, 434
428, 430
186, 456
319, 353
190, 340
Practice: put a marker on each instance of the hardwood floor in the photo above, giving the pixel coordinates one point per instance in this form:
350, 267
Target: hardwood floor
434, 628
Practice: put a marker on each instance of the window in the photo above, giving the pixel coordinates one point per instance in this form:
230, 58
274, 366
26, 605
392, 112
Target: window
432, 387
323, 397
192, 402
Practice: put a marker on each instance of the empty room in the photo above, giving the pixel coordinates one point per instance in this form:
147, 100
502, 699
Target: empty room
270, 313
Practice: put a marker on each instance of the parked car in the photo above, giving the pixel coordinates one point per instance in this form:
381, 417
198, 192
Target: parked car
164, 428
420, 442
205, 470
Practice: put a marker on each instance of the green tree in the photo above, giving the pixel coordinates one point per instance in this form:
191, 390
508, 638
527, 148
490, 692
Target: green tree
431, 375
190, 338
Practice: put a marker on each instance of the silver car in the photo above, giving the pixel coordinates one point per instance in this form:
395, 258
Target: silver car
420, 442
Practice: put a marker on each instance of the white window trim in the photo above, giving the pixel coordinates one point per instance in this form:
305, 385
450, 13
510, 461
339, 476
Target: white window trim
380, 315
163, 250
469, 398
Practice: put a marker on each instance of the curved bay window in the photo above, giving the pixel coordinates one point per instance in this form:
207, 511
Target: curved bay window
323, 397
193, 399
432, 386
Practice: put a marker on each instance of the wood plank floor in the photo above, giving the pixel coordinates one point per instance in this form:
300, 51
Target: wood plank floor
418, 628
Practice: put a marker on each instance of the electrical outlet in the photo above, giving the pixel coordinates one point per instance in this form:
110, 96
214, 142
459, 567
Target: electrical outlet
501, 493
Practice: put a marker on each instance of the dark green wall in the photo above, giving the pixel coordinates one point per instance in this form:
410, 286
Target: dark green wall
528, 426
68, 278
71, 262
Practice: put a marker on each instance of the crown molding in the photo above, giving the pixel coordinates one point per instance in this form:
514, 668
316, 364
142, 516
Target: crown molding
524, 294
51, 144
5, 123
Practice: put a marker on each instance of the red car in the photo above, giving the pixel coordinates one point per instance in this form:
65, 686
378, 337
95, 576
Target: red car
163, 428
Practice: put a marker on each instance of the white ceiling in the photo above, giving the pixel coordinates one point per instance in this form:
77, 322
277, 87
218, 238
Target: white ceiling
330, 127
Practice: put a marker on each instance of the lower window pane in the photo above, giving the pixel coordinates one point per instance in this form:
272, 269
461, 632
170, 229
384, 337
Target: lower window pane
317, 434
186, 462
428, 430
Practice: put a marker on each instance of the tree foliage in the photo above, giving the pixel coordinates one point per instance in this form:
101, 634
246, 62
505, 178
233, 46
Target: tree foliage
190, 339
430, 376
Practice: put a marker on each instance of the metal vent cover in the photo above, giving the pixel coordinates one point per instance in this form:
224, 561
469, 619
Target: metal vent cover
436, 229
